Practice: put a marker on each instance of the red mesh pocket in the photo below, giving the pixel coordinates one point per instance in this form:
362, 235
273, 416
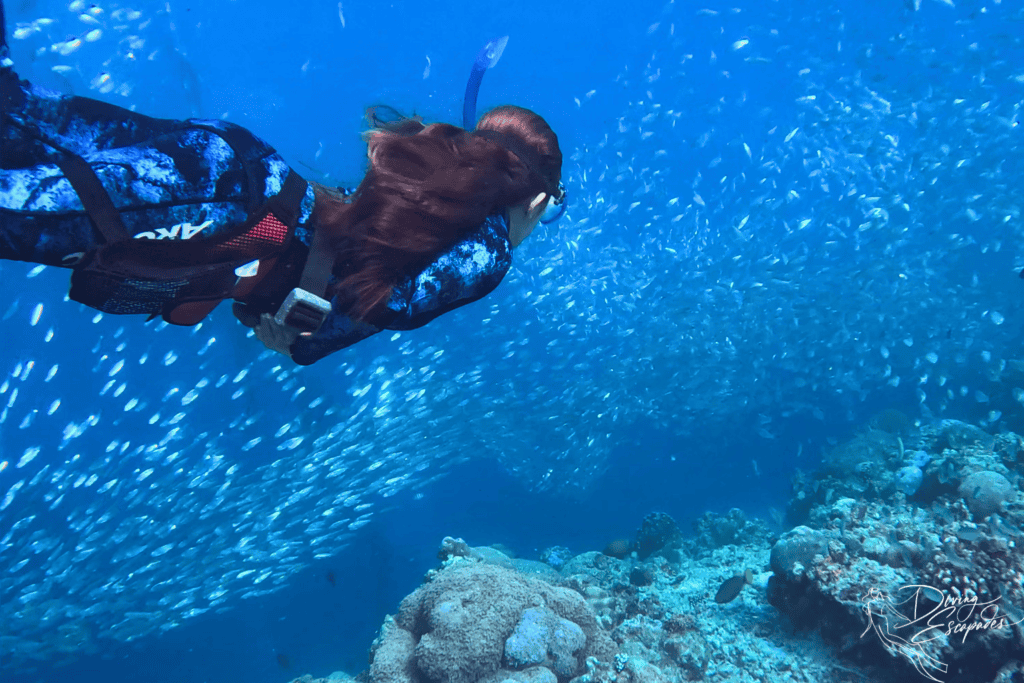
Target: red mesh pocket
267, 232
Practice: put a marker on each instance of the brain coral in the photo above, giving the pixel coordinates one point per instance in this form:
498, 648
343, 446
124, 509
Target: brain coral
985, 492
454, 629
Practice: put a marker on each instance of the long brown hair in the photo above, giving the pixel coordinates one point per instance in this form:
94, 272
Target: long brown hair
426, 187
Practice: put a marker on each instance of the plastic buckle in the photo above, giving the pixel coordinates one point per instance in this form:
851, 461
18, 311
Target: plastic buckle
303, 311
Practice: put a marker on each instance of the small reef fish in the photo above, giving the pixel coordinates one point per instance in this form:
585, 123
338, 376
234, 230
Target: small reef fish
730, 588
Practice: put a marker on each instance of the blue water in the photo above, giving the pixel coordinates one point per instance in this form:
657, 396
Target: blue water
732, 361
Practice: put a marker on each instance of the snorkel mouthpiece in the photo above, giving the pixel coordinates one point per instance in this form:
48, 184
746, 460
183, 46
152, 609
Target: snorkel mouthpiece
555, 208
487, 58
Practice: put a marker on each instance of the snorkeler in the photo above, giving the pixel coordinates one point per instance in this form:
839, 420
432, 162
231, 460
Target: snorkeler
169, 218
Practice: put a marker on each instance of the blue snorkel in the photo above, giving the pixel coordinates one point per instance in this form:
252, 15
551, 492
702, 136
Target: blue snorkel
488, 57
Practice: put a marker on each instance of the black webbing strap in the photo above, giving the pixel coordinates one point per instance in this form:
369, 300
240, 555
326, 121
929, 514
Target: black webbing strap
319, 262
288, 205
307, 306
93, 197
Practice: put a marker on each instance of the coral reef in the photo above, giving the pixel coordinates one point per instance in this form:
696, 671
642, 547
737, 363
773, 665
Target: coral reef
657, 532
543, 638
474, 619
933, 570
714, 531
866, 466
336, 677
602, 619
556, 556
985, 492
897, 528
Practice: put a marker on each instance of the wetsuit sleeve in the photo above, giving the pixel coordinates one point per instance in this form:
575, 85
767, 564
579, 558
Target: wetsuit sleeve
461, 275
338, 332
466, 273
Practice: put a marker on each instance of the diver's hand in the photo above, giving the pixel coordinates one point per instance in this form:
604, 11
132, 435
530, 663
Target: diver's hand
276, 337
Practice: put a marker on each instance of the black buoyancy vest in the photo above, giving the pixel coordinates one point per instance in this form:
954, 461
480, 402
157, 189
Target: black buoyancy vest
181, 280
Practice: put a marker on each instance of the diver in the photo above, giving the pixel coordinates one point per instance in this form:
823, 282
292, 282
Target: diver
169, 218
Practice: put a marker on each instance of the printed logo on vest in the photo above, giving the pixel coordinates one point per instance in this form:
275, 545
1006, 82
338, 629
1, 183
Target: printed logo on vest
180, 231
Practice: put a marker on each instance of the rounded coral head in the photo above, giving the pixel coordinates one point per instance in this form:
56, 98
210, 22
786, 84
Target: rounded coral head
531, 129
618, 548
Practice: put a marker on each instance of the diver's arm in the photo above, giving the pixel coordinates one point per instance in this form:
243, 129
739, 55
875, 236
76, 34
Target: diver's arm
461, 275
338, 332
465, 273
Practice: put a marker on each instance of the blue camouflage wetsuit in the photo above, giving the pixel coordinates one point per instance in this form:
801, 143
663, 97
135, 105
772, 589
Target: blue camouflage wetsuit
171, 181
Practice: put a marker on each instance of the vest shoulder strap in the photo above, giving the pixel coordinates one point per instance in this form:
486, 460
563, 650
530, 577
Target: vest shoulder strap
93, 197
319, 263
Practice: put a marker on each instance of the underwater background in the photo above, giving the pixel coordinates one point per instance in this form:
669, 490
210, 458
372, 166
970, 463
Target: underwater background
785, 218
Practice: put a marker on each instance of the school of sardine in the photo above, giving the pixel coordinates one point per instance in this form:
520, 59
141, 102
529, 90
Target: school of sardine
720, 262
